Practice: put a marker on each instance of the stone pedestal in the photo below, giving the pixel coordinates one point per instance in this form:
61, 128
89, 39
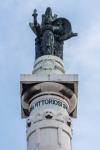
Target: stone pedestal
48, 64
49, 101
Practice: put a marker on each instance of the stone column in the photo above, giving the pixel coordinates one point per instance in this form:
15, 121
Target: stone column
49, 101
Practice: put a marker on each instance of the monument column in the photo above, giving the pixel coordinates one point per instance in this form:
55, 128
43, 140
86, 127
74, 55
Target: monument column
48, 95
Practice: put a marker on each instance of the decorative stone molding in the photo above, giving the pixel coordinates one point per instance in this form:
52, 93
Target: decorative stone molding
48, 64
49, 114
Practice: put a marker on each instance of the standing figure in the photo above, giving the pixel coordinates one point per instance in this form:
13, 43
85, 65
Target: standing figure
47, 44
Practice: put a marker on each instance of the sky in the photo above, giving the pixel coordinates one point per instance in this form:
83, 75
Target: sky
81, 56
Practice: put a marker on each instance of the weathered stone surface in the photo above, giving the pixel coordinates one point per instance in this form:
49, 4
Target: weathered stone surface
48, 64
63, 85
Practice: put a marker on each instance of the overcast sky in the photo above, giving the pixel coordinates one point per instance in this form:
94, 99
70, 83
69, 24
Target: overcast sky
81, 55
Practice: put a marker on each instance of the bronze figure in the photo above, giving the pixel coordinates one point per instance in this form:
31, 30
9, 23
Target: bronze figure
50, 34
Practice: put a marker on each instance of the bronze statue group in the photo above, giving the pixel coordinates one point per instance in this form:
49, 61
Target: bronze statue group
50, 34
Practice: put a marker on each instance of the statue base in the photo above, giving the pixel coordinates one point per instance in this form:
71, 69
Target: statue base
48, 64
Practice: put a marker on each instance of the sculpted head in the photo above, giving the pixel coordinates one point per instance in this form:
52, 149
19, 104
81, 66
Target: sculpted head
48, 16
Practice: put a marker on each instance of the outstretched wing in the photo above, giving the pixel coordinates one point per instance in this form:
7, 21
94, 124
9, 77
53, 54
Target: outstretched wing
32, 27
65, 29
35, 29
63, 24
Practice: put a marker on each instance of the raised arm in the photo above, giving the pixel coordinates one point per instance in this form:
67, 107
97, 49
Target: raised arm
35, 26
